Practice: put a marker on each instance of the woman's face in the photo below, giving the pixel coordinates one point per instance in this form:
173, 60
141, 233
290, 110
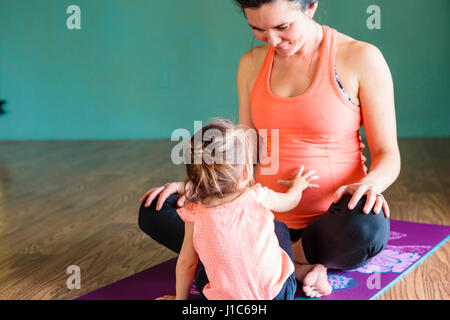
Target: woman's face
280, 24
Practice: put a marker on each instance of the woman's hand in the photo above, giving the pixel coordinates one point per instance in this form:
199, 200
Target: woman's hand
164, 192
374, 199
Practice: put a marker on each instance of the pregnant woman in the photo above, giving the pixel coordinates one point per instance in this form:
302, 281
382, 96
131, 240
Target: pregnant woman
317, 87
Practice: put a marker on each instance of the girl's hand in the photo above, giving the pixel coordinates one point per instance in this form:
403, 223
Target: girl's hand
164, 192
166, 297
301, 181
360, 189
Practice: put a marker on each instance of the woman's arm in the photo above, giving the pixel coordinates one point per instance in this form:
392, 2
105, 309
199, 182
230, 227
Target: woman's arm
186, 264
376, 93
246, 73
243, 87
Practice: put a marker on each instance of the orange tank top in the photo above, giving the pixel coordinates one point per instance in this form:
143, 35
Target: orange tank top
318, 129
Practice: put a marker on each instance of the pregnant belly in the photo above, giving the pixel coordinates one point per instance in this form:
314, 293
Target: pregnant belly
314, 201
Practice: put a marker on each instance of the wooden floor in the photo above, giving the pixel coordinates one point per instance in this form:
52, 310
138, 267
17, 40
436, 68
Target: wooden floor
76, 203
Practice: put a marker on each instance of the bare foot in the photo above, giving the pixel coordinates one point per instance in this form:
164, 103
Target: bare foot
314, 279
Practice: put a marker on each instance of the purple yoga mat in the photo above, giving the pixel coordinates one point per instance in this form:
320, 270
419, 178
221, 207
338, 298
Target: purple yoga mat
409, 244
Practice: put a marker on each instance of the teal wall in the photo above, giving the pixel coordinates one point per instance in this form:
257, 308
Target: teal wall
140, 69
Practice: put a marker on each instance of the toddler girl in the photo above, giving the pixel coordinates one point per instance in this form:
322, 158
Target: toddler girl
229, 225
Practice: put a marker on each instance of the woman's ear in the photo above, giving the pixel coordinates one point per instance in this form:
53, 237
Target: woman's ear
312, 8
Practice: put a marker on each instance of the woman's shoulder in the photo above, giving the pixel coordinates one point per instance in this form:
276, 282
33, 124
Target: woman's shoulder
352, 50
250, 65
253, 59
256, 52
355, 55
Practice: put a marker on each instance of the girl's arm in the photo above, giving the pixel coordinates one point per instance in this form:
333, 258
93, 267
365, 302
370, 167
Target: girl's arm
186, 264
282, 202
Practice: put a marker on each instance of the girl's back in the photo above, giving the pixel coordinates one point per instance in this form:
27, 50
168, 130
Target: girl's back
238, 247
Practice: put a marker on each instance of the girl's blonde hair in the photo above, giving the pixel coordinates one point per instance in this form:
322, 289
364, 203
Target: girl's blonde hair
217, 155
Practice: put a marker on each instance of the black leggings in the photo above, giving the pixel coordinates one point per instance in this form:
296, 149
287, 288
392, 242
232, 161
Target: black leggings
339, 239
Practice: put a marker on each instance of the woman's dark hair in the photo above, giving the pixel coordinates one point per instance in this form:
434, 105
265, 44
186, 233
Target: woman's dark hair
303, 4
243, 4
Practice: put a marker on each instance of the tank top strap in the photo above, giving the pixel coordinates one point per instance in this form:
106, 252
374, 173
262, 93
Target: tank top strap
329, 51
264, 71
326, 59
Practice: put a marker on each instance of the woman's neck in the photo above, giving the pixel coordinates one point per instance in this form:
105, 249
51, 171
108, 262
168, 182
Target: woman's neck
313, 44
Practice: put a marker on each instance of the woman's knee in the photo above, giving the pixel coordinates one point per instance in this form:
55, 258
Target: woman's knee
149, 216
342, 238
371, 228
164, 226
361, 227
145, 218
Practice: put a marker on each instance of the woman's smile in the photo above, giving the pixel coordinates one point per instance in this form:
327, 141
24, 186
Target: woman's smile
282, 47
